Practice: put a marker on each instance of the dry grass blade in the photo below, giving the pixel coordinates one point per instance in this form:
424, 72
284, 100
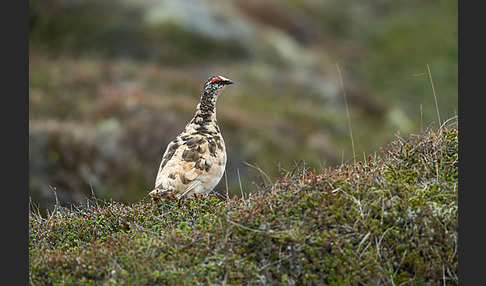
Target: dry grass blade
347, 113
435, 96
264, 175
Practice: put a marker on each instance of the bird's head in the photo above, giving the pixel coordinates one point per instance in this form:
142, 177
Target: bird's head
216, 84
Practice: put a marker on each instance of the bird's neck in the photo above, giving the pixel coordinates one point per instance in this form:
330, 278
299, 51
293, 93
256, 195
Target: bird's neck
208, 102
206, 109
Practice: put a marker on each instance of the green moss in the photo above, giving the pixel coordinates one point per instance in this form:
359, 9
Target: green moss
390, 220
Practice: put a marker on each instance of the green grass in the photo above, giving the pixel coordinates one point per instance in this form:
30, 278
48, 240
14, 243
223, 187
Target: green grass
390, 219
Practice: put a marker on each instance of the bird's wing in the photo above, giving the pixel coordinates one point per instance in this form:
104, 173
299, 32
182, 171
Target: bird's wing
169, 152
188, 162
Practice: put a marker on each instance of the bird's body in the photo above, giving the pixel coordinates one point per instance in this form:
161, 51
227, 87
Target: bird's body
194, 162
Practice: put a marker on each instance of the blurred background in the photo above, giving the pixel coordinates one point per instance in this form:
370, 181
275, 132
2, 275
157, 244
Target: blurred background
112, 82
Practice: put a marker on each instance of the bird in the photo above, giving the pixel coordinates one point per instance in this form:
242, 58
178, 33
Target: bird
194, 162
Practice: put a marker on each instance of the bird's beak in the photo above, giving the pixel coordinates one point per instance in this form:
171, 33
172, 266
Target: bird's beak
229, 82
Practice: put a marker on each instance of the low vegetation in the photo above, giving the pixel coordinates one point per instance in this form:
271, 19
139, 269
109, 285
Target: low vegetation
388, 220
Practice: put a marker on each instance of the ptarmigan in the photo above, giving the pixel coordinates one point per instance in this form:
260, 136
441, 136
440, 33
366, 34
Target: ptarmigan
195, 160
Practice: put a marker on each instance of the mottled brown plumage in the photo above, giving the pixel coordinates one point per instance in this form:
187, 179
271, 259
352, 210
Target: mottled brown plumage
194, 162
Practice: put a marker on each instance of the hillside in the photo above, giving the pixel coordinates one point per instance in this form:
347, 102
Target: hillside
112, 82
388, 220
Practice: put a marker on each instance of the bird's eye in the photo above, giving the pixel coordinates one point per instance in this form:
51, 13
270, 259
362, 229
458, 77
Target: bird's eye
216, 80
